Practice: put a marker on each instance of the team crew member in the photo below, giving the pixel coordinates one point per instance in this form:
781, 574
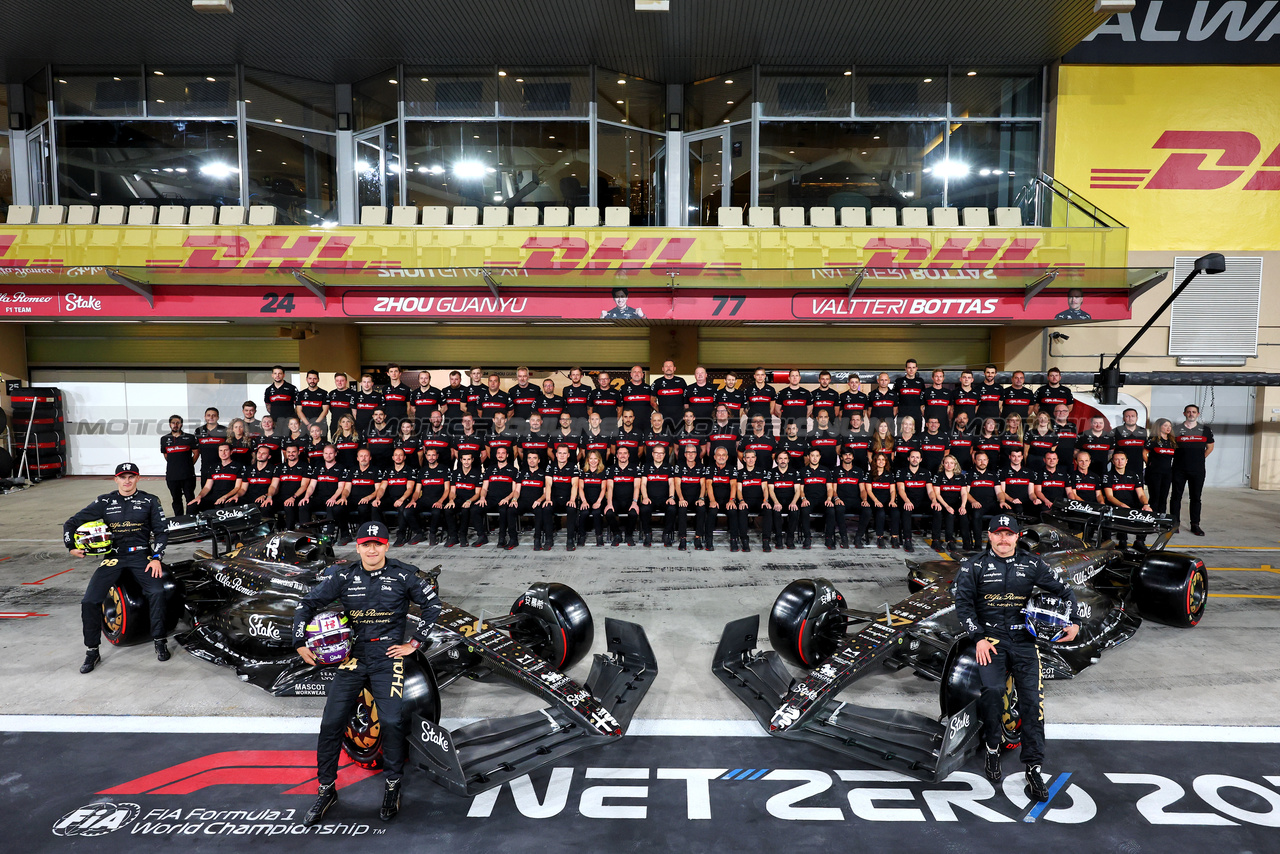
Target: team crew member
933, 445
423, 400
366, 488
1131, 438
988, 441
270, 440
295, 477
960, 442
656, 496
818, 500
380, 438
605, 400
760, 441
950, 504
563, 436
466, 484
624, 497
593, 498
474, 389
261, 483
437, 438
395, 398
407, 441
752, 498
721, 495
629, 435
687, 480
825, 440
493, 401
1085, 485
937, 399
327, 493
857, 440
562, 498
501, 494
523, 395
991, 590
1049, 396
500, 436
453, 401
848, 500
222, 484
785, 492
312, 405
793, 444
732, 396
984, 498
549, 405
1039, 441
577, 399
700, 398
964, 398
209, 436
669, 391
906, 442
239, 441
534, 494
882, 403
1018, 399
1065, 429
595, 439
535, 441
794, 403
137, 539
657, 435
910, 393
825, 398
852, 400
314, 450
690, 433
1124, 489
249, 411
1017, 487
366, 399
433, 494
399, 486
880, 495
294, 434
347, 441
1160, 451
760, 397
882, 442
469, 442
281, 397
990, 394
375, 594
637, 396
914, 496
723, 432
341, 401
1013, 438
1098, 443
180, 452
1052, 481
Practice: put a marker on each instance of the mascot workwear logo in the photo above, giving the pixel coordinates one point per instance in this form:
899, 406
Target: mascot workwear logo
96, 819
1199, 160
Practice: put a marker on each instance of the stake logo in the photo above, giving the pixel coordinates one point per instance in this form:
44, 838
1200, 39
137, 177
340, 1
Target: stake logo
1199, 160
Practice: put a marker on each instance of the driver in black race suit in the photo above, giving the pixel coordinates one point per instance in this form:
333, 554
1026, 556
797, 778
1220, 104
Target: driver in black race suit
991, 590
138, 538
376, 594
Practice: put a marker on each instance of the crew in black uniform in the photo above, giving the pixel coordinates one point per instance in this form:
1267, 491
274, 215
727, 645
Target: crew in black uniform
1039, 441
500, 436
395, 399
907, 440
1124, 489
501, 495
222, 484
595, 439
563, 474
341, 402
818, 501
533, 495
563, 436
1018, 398
823, 439
180, 451
984, 498
1066, 431
523, 395
880, 495
326, 496
366, 487
407, 440
937, 399
1052, 481
400, 485
991, 590
437, 438
987, 441
854, 399
784, 494
281, 397
825, 399
624, 497
637, 396
721, 495
1160, 451
909, 390
468, 442
295, 477
433, 495
700, 398
606, 401
268, 439
261, 483
240, 443
964, 398
882, 403
688, 480
914, 484
1085, 485
366, 399
669, 390
312, 405
347, 441
794, 403
960, 442
473, 390
593, 497
760, 397
760, 440
577, 399
376, 594
656, 496
848, 500
990, 395
732, 396
1012, 438
493, 401
209, 436
722, 432
1049, 396
794, 444
1099, 443
138, 539
753, 498
549, 404
630, 434
1131, 438
951, 504
380, 438
857, 440
933, 444
690, 433
453, 402
464, 493
1017, 488
658, 435
424, 400
535, 441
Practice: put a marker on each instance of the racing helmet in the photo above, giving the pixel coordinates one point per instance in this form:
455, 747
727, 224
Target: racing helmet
93, 538
1047, 616
328, 636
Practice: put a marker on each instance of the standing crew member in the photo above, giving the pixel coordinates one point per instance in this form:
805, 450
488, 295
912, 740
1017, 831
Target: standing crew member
341, 401
281, 398
852, 400
313, 402
700, 397
209, 436
669, 391
605, 401
1194, 443
395, 398
376, 594
524, 395
910, 393
137, 540
991, 590
424, 400
180, 452
577, 399
638, 396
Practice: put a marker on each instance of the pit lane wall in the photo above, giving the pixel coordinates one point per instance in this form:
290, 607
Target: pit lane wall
1188, 157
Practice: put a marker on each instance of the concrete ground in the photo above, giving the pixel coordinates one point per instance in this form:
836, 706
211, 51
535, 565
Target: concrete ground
1225, 671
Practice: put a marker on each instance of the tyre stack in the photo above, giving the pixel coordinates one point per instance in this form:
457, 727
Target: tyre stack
39, 431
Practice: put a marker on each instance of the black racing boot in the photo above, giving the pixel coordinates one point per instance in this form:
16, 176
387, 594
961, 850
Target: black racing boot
708, 544
92, 658
765, 545
1036, 789
992, 769
390, 801
684, 544
401, 538
881, 543
648, 540
697, 543
907, 545
328, 797
162, 649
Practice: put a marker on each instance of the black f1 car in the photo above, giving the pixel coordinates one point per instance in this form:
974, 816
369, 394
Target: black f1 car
813, 628
240, 603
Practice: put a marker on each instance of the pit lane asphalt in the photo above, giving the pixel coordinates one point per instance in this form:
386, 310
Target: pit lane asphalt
1226, 671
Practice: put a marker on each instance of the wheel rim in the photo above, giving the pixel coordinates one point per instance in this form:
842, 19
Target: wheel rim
1197, 595
364, 732
113, 613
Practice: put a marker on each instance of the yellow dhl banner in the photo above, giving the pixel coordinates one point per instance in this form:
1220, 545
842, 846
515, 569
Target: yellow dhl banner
1188, 157
31, 250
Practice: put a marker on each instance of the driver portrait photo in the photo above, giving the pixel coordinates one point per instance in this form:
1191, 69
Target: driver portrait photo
1073, 311
620, 310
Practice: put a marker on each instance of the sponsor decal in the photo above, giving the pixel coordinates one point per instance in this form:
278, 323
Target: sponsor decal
431, 735
262, 626
75, 303
958, 724
1199, 160
96, 819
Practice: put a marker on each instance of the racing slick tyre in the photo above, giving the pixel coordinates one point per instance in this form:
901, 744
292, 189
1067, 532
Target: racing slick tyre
806, 624
1171, 588
558, 628
960, 687
125, 616
362, 739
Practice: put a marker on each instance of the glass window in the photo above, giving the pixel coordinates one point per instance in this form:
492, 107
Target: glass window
718, 100
889, 92
851, 164
630, 100
990, 162
467, 93
977, 93
91, 92
296, 171
787, 92
369, 171
6, 174
630, 163
544, 93
494, 163
375, 100
37, 97
288, 100
191, 92
125, 163
740, 165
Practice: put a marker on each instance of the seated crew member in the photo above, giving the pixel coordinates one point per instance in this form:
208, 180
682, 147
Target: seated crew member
753, 498
367, 485
501, 494
346, 441
914, 497
434, 491
326, 495
1038, 441
784, 497
465, 485
880, 495
1051, 482
222, 483
1124, 489
721, 496
817, 500
1085, 485
407, 441
261, 483
534, 494
984, 499
564, 494
1017, 488
657, 496
595, 439
624, 497
823, 439
794, 444
951, 503
689, 487
858, 440
593, 498
295, 477
848, 500
400, 487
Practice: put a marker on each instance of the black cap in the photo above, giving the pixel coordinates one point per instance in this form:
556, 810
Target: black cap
126, 468
1004, 522
372, 531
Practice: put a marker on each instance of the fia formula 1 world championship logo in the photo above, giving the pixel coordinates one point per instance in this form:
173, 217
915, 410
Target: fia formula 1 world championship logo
96, 819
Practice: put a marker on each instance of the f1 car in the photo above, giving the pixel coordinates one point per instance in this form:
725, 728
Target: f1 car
813, 628
240, 604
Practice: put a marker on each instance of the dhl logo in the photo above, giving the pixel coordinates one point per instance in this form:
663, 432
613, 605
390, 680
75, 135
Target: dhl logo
1232, 154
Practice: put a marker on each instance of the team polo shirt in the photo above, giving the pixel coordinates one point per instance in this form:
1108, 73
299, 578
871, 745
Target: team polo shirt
759, 401
701, 400
937, 403
177, 451
1016, 400
966, 401
670, 394
1017, 483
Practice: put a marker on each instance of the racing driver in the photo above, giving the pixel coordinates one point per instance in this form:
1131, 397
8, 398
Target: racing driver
376, 594
991, 590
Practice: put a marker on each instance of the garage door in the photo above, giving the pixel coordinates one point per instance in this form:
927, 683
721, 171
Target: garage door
504, 347
844, 347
